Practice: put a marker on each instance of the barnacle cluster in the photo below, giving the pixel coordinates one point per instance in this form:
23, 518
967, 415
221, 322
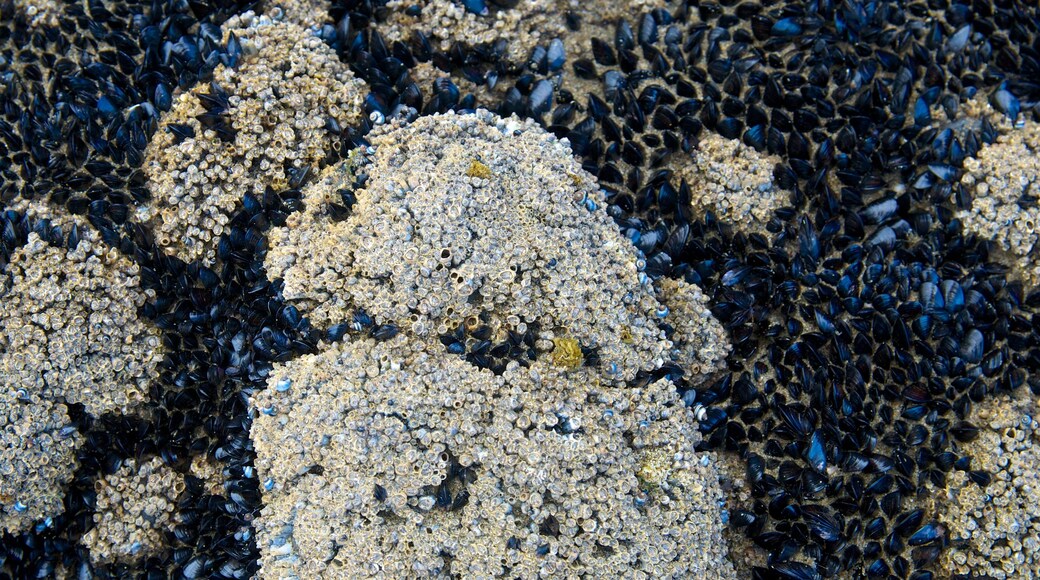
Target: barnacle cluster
260, 126
135, 507
209, 473
390, 457
70, 329
427, 245
69, 334
995, 530
37, 458
697, 335
733, 181
1003, 183
386, 459
306, 13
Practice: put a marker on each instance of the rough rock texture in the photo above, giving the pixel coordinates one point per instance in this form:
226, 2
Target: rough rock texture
272, 112
37, 457
996, 530
69, 333
209, 472
733, 181
69, 325
306, 13
464, 215
381, 458
698, 337
134, 509
404, 458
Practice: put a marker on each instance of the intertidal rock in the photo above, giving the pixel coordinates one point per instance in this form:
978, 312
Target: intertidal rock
1004, 185
70, 334
135, 507
468, 216
520, 422
260, 125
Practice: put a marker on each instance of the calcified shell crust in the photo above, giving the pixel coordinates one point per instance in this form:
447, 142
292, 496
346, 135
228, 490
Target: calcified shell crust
135, 508
387, 459
256, 126
428, 246
548, 468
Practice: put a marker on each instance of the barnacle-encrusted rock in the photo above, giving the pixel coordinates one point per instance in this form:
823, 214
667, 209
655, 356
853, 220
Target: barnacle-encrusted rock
264, 118
403, 458
135, 506
428, 246
69, 333
996, 529
699, 339
37, 457
383, 459
69, 328
306, 13
1004, 184
733, 181
519, 27
209, 472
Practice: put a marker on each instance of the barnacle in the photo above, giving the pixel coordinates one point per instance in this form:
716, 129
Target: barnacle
654, 468
734, 181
